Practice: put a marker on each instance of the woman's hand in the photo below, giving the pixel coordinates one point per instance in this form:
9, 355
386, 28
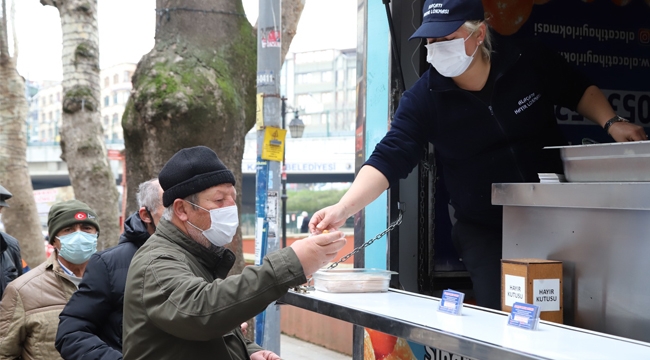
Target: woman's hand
624, 131
329, 218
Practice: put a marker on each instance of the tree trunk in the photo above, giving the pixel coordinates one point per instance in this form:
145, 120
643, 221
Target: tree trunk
196, 87
82, 142
291, 11
21, 219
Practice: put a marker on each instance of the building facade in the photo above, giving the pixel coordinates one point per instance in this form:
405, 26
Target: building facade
45, 109
322, 86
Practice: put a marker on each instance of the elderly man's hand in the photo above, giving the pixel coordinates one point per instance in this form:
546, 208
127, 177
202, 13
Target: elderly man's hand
265, 355
316, 251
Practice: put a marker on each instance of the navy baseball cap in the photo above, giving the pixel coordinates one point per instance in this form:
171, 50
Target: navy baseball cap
442, 17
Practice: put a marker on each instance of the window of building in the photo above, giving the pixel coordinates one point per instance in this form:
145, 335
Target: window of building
49, 116
114, 98
307, 78
116, 118
125, 96
327, 98
107, 82
107, 100
340, 77
58, 97
352, 97
42, 135
57, 116
43, 117
303, 100
352, 76
326, 76
51, 99
115, 137
106, 121
116, 79
127, 76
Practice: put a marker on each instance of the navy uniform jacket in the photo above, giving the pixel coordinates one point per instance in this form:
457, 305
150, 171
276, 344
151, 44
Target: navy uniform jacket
484, 142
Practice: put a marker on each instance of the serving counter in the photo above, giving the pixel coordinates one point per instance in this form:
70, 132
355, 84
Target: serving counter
478, 334
601, 233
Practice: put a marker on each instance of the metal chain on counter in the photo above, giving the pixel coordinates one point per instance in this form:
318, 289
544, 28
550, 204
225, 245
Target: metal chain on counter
303, 289
369, 242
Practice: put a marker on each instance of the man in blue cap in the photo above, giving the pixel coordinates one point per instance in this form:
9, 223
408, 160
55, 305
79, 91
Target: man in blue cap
489, 115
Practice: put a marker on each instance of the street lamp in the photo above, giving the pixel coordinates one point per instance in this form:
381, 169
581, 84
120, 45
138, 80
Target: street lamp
297, 127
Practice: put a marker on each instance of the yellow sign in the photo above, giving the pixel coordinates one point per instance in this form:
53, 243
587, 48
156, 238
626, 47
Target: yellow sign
259, 114
273, 146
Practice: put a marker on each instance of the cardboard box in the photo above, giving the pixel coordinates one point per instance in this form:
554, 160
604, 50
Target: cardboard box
533, 281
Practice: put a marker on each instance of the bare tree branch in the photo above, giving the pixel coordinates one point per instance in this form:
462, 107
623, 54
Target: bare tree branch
4, 45
13, 30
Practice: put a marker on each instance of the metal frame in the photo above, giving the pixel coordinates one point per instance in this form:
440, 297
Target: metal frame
504, 342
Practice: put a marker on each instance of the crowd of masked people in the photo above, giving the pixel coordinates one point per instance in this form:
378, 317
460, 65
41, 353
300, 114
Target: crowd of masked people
163, 291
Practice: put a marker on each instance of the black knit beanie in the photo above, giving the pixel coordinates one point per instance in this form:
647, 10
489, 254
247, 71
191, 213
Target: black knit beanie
190, 171
66, 213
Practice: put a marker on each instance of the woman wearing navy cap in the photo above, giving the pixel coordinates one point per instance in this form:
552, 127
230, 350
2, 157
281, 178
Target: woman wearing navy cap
489, 114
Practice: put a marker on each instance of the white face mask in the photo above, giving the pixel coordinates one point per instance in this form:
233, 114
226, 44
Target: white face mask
223, 227
449, 57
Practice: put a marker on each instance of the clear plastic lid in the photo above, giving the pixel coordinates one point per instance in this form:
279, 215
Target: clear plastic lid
352, 274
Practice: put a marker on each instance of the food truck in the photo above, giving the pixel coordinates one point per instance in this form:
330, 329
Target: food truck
594, 221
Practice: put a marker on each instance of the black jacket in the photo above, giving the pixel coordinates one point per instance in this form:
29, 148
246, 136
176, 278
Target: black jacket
11, 264
90, 325
484, 141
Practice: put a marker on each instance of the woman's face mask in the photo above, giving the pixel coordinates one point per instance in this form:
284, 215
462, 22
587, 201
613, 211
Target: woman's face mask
223, 226
449, 57
78, 246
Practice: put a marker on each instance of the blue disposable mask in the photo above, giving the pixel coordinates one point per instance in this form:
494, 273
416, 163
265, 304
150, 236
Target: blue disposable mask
77, 247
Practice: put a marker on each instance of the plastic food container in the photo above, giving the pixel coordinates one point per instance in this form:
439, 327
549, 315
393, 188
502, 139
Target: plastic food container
611, 162
352, 280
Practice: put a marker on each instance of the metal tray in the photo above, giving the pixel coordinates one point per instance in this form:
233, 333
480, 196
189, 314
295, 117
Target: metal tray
352, 280
611, 162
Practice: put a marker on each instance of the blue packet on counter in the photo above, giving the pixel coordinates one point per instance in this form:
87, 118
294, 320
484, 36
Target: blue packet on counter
525, 316
451, 302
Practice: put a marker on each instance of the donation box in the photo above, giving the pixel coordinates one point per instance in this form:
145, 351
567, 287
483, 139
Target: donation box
533, 281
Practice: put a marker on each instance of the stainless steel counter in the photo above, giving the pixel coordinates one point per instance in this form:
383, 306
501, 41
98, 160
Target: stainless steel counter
478, 334
601, 233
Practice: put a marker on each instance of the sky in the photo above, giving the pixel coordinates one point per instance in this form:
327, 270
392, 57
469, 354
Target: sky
126, 31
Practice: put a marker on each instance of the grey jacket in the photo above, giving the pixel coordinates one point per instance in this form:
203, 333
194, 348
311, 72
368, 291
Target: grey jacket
179, 304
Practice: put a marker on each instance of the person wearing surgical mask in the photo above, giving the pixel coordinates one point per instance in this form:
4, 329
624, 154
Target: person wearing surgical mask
90, 325
29, 312
179, 302
488, 108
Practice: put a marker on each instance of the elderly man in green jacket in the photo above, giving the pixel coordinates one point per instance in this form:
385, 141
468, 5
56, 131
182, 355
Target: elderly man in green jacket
178, 302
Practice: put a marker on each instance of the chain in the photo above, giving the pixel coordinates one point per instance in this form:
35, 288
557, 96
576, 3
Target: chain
426, 219
432, 216
369, 242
